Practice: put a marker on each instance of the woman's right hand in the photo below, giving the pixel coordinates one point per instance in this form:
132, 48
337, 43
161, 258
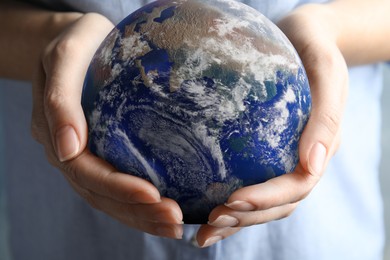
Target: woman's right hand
58, 123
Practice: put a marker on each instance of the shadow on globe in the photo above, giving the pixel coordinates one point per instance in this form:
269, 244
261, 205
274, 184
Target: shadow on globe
199, 97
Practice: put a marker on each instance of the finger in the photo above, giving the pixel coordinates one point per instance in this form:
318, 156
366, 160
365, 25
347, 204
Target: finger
93, 173
170, 230
123, 213
286, 189
174, 231
98, 176
223, 216
225, 222
167, 211
209, 235
65, 66
329, 86
38, 121
39, 125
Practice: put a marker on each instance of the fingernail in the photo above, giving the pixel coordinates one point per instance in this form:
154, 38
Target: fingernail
178, 231
175, 231
224, 221
240, 205
212, 241
67, 143
317, 158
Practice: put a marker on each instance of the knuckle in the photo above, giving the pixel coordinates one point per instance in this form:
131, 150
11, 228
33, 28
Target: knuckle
64, 47
328, 60
58, 49
331, 120
54, 99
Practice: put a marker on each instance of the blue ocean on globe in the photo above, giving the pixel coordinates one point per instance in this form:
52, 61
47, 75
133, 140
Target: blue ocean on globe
199, 97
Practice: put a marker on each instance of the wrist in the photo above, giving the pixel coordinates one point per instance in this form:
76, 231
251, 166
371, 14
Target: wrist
310, 22
27, 30
359, 29
57, 24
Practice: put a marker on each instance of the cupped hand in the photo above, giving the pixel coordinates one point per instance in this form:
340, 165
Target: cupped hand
58, 123
312, 32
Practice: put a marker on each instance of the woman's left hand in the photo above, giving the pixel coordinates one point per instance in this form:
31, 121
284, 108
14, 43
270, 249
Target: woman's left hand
315, 40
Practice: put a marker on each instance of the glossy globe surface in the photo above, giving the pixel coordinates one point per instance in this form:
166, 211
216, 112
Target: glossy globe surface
200, 97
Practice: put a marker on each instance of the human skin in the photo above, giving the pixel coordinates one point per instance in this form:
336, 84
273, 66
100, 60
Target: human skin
328, 38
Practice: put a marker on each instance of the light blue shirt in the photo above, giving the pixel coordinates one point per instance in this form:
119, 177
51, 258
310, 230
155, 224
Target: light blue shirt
341, 218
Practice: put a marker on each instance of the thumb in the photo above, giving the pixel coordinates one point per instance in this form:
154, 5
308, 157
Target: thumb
328, 76
65, 63
64, 115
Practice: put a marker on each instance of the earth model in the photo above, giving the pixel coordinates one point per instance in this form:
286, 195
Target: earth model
200, 97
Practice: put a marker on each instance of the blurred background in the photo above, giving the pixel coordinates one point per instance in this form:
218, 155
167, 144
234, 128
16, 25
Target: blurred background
384, 168
385, 163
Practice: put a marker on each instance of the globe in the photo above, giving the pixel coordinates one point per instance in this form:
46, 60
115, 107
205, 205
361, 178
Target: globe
199, 97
